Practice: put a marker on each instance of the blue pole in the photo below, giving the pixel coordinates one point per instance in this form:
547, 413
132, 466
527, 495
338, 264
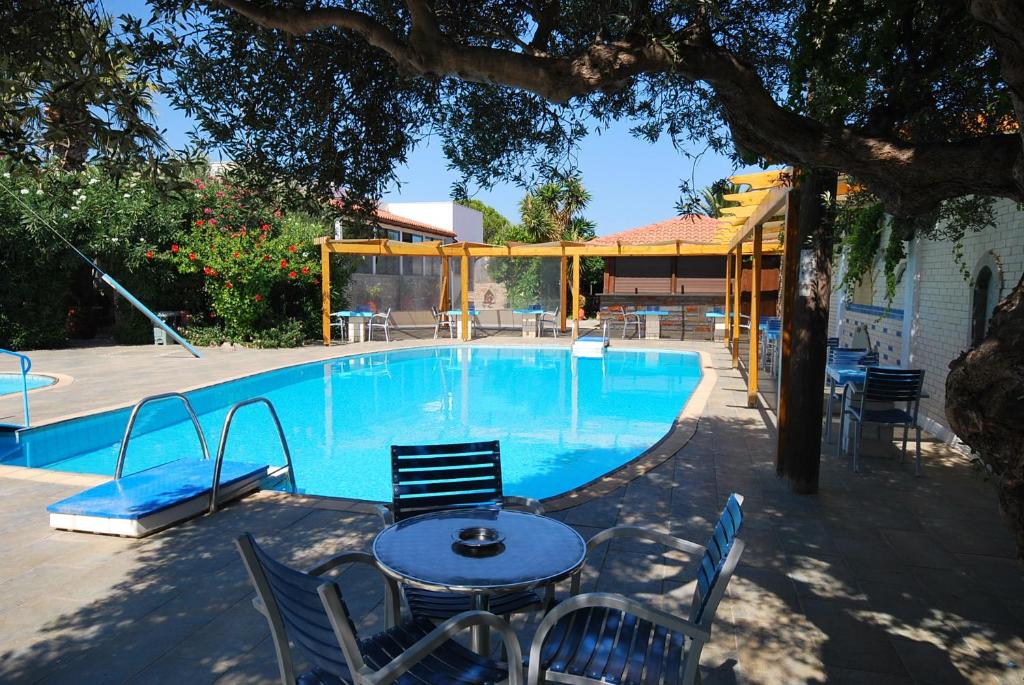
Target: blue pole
157, 321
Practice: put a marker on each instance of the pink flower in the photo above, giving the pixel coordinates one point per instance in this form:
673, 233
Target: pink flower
207, 210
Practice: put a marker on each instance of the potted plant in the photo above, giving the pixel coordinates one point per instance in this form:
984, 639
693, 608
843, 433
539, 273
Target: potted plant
373, 294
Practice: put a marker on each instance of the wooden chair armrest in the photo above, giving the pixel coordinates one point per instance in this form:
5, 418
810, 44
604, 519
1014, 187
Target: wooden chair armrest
441, 634
610, 601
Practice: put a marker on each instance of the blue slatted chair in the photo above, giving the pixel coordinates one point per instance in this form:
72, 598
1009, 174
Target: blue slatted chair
843, 356
887, 385
606, 638
309, 610
429, 478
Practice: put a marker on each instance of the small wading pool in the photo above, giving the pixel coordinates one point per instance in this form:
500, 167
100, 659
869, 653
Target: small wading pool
562, 422
11, 382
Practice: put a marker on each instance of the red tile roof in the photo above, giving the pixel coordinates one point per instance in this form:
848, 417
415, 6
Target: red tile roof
690, 228
389, 219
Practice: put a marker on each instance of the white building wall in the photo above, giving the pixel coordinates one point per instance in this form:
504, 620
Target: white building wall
467, 223
929, 322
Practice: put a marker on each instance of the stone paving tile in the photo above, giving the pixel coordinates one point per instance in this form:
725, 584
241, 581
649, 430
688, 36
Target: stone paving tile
882, 578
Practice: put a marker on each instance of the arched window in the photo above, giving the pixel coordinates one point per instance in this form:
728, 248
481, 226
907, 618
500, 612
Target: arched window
984, 302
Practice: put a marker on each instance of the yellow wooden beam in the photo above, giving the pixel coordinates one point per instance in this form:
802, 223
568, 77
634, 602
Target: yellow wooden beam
325, 292
563, 285
771, 205
760, 179
751, 197
575, 296
727, 334
395, 248
464, 278
742, 211
753, 363
738, 275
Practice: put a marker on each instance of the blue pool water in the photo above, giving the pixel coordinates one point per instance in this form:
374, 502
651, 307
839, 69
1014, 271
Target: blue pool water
562, 422
11, 382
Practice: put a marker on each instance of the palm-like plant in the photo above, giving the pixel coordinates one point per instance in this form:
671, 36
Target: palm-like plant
712, 197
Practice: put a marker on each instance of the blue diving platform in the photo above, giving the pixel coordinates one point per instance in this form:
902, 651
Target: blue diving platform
145, 502
142, 503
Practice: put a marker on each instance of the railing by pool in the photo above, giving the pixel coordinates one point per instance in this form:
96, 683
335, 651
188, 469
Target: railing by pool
26, 366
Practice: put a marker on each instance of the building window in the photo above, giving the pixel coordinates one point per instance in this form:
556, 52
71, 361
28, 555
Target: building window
981, 309
389, 265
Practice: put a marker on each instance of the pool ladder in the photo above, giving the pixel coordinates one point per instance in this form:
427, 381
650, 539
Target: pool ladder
215, 487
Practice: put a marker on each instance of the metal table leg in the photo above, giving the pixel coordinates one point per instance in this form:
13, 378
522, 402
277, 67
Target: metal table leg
480, 638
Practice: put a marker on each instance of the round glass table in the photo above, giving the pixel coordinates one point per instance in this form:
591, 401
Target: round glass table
479, 552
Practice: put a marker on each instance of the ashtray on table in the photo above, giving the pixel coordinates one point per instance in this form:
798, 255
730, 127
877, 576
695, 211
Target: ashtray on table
478, 541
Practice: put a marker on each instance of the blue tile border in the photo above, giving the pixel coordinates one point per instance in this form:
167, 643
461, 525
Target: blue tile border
875, 311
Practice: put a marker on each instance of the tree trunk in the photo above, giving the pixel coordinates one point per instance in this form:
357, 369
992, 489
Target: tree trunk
985, 404
799, 450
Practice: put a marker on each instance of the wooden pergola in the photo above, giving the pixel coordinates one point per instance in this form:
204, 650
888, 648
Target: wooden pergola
563, 250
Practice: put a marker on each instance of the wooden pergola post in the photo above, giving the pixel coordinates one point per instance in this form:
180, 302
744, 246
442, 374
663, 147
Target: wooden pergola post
727, 327
444, 296
737, 274
325, 291
575, 296
464, 278
790, 275
755, 310
563, 268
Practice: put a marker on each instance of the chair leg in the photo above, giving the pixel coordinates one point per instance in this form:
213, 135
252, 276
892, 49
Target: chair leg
903, 454
917, 468
856, 446
828, 411
842, 423
387, 334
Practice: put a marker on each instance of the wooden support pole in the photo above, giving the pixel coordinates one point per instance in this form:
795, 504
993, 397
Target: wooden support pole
575, 296
753, 366
325, 292
563, 277
464, 278
444, 296
790, 275
809, 314
727, 326
737, 271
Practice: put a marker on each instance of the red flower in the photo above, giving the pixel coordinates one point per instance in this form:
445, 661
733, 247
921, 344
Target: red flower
213, 222
284, 263
258, 298
216, 273
266, 258
191, 256
305, 271
208, 271
291, 248
292, 274
149, 254
237, 255
200, 222
220, 193
201, 186
174, 249
265, 227
227, 284
207, 210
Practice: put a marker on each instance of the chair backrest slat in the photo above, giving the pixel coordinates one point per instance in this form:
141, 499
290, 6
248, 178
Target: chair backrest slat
428, 478
291, 599
893, 385
715, 553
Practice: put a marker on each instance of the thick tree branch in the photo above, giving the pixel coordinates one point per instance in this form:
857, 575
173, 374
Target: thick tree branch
909, 179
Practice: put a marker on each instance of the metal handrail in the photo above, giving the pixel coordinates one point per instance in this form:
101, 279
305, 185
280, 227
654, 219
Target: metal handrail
224, 442
26, 366
135, 413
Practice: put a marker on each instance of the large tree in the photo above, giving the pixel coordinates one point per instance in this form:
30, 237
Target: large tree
339, 92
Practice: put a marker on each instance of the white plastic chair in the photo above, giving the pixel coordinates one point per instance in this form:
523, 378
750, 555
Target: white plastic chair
382, 321
442, 321
549, 320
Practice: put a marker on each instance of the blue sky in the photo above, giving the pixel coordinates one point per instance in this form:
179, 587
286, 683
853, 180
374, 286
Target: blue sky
633, 182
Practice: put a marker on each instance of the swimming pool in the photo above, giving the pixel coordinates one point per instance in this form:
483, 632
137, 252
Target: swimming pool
11, 382
562, 421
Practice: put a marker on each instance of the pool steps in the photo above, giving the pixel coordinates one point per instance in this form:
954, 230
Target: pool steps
590, 346
143, 503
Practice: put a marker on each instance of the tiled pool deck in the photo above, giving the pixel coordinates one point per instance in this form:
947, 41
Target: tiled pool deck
880, 578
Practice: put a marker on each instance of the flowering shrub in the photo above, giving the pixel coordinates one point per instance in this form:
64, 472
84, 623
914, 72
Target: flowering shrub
203, 250
256, 263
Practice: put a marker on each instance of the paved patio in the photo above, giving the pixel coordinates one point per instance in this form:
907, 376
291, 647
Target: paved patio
881, 578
